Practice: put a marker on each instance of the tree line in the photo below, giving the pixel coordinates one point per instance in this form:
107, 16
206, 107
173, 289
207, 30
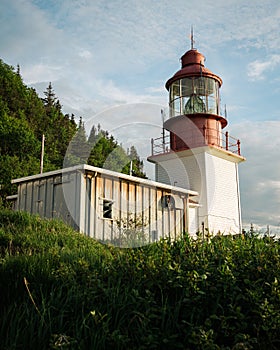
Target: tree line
25, 117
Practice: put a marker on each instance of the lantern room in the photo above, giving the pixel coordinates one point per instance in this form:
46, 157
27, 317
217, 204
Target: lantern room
194, 88
194, 105
194, 118
194, 95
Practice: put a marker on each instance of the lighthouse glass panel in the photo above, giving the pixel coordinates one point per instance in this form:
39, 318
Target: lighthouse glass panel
175, 96
194, 95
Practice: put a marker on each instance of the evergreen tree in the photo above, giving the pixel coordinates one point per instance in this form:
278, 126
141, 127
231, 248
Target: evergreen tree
58, 128
79, 148
50, 101
24, 118
107, 153
137, 164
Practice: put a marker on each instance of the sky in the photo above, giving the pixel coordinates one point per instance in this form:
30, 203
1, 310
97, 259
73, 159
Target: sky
108, 61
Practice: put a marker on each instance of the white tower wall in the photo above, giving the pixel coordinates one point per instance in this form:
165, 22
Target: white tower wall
223, 199
213, 173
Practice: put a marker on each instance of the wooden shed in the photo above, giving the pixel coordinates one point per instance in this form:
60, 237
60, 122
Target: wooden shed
112, 207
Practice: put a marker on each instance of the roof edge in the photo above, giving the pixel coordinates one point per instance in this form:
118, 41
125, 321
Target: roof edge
90, 168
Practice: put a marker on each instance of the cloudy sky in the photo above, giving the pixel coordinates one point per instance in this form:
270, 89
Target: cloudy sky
108, 62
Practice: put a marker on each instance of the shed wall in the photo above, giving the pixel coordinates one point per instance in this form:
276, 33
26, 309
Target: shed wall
134, 206
78, 198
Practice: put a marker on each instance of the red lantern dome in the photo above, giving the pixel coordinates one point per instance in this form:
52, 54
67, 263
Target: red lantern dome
194, 104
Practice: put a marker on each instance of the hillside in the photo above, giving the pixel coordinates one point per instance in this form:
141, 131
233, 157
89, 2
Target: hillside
61, 290
25, 117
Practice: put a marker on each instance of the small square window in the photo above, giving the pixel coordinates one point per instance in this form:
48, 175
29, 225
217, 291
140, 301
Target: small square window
168, 202
107, 209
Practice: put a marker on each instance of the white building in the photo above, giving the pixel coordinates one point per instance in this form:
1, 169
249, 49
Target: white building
196, 164
107, 205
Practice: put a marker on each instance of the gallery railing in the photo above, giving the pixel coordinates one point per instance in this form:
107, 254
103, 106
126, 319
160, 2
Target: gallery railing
207, 136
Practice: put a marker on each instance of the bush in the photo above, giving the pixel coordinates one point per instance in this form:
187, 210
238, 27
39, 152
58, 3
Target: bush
61, 290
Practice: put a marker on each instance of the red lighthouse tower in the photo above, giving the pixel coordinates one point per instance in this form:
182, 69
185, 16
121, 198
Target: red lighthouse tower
194, 104
199, 155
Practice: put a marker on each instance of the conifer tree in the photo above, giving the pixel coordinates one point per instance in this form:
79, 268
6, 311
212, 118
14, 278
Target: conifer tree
24, 117
79, 148
107, 153
58, 128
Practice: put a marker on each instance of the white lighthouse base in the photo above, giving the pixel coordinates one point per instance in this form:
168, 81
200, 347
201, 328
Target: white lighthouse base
213, 173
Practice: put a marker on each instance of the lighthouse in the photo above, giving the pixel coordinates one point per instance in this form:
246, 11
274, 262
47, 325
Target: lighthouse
195, 152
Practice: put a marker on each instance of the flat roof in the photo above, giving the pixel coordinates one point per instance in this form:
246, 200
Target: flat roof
89, 168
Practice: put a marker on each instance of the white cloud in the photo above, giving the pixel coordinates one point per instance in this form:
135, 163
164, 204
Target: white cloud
260, 174
117, 95
26, 31
104, 53
41, 73
256, 70
85, 54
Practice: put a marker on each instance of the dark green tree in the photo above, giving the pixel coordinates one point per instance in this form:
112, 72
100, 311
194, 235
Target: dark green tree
19, 152
107, 153
59, 129
137, 164
51, 102
79, 148
24, 117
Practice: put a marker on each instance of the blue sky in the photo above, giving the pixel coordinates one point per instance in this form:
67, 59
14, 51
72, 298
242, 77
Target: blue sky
108, 62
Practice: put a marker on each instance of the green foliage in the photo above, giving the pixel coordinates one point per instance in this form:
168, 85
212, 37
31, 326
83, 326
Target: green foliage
24, 117
59, 129
16, 138
13, 167
107, 153
131, 231
79, 148
74, 293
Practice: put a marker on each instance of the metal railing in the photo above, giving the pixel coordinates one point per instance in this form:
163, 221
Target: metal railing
230, 143
160, 145
207, 136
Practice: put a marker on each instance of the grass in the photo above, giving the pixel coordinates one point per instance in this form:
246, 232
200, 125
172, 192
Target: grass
61, 290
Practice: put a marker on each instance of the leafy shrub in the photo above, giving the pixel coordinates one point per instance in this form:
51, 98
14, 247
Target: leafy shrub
61, 290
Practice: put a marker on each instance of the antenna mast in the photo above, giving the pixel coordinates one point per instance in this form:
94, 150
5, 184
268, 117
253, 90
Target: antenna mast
192, 41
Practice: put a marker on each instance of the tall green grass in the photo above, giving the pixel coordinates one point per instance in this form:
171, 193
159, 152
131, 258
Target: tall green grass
61, 290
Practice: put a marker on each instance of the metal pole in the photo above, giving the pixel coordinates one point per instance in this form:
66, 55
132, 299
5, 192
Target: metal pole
227, 140
42, 154
202, 224
268, 233
238, 146
163, 140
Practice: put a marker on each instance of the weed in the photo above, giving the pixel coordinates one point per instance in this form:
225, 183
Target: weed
61, 290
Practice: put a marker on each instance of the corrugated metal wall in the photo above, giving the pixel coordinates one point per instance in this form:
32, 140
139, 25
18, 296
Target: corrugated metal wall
52, 197
80, 197
132, 202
